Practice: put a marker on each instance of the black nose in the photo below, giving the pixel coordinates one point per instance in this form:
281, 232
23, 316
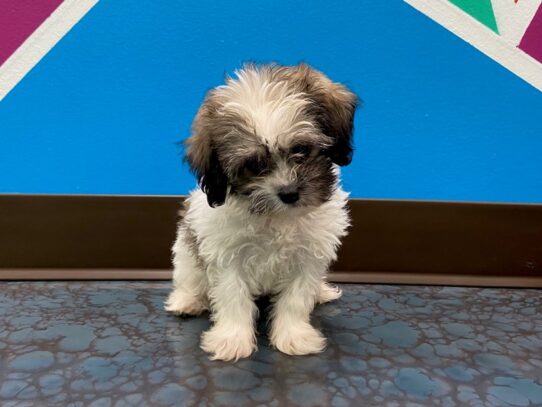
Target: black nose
289, 197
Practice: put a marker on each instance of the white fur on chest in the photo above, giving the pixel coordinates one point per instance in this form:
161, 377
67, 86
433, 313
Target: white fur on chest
263, 249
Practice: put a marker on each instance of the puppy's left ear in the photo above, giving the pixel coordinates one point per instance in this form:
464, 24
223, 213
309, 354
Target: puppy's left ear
335, 106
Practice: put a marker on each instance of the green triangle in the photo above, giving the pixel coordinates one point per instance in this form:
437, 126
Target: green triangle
482, 10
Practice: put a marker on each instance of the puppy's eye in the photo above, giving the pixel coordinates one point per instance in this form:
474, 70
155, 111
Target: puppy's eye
255, 166
301, 151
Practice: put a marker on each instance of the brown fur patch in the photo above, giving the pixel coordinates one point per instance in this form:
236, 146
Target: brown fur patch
334, 107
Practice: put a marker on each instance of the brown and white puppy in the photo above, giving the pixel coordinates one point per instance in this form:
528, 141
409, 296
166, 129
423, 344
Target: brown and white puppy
269, 214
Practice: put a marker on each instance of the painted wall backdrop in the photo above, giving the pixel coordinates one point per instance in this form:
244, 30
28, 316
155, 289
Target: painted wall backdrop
96, 95
509, 31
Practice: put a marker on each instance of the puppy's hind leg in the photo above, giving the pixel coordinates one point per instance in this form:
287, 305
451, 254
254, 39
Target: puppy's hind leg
189, 295
328, 292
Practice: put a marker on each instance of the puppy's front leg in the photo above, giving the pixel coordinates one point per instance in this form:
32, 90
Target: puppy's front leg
233, 311
291, 331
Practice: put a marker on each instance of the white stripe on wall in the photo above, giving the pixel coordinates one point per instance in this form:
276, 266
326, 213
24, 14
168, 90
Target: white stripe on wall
482, 38
514, 18
42, 40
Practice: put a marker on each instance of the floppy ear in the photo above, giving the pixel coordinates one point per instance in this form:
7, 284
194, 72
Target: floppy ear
203, 158
335, 106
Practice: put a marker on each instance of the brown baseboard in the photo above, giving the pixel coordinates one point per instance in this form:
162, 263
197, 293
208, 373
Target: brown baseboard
381, 277
84, 274
406, 242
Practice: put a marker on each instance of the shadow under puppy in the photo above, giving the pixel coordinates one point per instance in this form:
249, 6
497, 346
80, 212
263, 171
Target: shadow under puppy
269, 213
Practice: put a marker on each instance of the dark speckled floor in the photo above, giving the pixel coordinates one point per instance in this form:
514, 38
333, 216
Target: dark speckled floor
111, 344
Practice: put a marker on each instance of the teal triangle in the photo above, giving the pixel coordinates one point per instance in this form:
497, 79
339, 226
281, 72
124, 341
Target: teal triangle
481, 10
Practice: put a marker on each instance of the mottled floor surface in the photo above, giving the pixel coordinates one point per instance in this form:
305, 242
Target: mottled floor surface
111, 344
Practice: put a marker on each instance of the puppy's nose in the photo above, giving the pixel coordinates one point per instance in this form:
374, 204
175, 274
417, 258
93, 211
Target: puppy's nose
289, 197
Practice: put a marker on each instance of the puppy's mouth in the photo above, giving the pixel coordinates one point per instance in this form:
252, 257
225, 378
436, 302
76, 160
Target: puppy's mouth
288, 201
276, 207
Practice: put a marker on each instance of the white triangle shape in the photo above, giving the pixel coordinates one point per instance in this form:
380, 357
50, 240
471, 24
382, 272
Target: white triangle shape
513, 18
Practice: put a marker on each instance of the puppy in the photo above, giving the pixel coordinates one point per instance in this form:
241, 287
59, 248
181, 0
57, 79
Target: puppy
269, 213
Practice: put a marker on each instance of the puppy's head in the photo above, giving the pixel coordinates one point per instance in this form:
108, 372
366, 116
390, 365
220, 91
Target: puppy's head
272, 136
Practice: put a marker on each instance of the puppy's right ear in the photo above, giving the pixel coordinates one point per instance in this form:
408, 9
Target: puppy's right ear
203, 157
334, 107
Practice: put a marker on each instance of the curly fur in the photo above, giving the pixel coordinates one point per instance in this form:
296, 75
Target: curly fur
267, 134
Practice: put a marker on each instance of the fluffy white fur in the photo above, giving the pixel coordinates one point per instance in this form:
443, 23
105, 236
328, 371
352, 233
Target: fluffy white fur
273, 109
250, 255
254, 243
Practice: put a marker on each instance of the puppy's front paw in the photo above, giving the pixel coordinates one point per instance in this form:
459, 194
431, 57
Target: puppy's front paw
230, 344
181, 302
298, 340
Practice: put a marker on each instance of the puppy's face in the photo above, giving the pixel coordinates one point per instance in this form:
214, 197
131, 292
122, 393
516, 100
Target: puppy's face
280, 176
271, 136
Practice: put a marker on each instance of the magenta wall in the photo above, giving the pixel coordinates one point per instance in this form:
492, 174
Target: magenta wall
18, 19
531, 42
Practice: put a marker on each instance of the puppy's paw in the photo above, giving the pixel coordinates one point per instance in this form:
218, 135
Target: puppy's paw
233, 344
181, 302
302, 339
328, 293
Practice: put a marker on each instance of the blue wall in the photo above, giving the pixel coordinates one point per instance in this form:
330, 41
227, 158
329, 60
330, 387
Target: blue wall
102, 111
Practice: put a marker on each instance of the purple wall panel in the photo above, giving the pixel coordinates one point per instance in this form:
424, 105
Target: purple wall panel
19, 19
531, 42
